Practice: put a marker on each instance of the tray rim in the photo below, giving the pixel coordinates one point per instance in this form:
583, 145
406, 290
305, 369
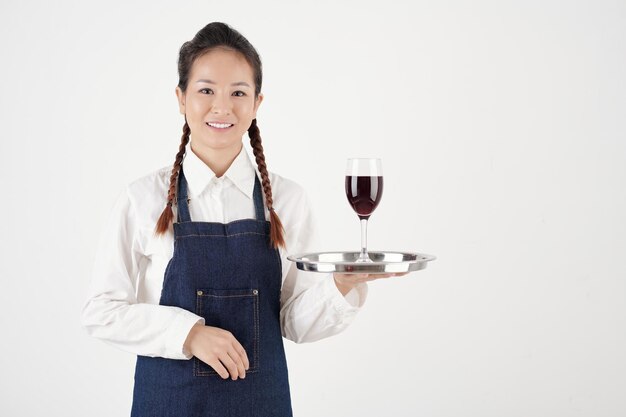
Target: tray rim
297, 257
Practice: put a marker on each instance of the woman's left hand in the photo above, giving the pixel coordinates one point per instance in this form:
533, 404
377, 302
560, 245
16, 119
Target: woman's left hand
345, 282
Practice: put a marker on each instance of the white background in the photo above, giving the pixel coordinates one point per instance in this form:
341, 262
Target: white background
501, 126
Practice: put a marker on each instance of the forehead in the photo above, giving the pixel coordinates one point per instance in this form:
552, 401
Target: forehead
222, 66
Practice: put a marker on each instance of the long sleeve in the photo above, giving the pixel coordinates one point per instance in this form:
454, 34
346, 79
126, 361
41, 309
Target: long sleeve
312, 307
112, 313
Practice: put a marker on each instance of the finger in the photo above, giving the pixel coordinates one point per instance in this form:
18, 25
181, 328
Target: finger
219, 368
352, 279
372, 277
348, 279
394, 274
241, 371
242, 352
230, 365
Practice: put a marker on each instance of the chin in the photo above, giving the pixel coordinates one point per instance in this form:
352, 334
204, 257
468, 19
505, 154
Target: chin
218, 144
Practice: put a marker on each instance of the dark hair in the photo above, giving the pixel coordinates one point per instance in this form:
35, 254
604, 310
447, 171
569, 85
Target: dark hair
220, 35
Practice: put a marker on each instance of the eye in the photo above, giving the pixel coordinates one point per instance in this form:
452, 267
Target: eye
239, 91
206, 89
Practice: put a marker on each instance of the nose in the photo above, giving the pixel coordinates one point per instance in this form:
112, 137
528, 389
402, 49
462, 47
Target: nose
221, 104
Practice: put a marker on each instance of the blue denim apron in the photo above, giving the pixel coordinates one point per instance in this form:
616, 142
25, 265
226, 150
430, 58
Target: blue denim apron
230, 275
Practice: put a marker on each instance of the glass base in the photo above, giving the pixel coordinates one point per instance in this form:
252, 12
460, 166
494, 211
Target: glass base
363, 257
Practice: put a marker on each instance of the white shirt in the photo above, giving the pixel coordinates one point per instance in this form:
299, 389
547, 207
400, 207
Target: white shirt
122, 307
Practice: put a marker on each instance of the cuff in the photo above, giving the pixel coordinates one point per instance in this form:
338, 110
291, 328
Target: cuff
357, 295
178, 332
352, 301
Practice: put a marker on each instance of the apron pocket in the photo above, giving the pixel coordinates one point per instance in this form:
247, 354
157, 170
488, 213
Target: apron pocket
236, 311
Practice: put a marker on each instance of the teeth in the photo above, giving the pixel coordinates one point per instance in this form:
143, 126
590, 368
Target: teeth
220, 125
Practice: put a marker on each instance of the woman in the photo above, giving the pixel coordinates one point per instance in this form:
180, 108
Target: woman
211, 299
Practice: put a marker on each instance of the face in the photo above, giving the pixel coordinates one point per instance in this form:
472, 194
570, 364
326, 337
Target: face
220, 90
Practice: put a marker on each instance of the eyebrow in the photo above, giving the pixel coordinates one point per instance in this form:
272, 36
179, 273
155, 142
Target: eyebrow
233, 84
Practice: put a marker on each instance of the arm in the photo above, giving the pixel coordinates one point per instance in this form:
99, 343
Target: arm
111, 311
313, 305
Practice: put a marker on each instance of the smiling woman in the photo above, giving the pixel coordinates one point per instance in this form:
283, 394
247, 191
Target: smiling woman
205, 298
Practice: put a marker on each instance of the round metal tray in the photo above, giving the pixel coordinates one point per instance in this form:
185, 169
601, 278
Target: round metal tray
345, 262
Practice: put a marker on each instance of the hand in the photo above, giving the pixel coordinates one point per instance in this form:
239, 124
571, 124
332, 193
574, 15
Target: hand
345, 282
219, 349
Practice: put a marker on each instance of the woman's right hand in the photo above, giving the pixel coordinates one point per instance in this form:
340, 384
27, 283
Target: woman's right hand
219, 349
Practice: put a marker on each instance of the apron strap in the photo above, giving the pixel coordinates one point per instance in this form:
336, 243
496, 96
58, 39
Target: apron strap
183, 205
258, 200
181, 198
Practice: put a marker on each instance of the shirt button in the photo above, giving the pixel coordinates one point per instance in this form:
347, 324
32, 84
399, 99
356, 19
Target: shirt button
217, 187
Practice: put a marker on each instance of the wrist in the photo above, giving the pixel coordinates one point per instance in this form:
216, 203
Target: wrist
187, 345
343, 287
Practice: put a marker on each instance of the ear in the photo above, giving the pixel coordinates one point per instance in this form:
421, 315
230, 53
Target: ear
181, 100
258, 103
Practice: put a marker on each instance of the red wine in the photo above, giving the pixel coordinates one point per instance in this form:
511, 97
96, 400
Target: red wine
364, 194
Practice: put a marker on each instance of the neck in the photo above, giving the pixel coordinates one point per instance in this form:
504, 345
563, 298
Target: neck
219, 160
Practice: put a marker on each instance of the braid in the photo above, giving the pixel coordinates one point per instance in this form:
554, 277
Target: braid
168, 215
276, 230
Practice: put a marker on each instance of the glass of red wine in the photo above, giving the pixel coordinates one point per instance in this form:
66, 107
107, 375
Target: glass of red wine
364, 188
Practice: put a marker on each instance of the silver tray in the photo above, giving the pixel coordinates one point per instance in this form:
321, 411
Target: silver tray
345, 262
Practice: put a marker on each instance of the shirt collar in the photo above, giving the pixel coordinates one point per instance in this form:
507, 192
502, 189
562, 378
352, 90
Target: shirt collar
198, 174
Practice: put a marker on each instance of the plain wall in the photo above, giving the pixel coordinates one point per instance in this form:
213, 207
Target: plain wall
501, 127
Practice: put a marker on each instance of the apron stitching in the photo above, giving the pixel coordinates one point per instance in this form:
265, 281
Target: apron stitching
256, 329
236, 234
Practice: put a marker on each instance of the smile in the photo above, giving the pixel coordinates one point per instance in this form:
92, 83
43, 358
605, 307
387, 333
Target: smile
220, 125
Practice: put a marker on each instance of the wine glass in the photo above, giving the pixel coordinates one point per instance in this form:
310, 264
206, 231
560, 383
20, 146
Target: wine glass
364, 188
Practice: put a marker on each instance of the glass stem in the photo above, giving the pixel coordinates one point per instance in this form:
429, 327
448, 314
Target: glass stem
364, 256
